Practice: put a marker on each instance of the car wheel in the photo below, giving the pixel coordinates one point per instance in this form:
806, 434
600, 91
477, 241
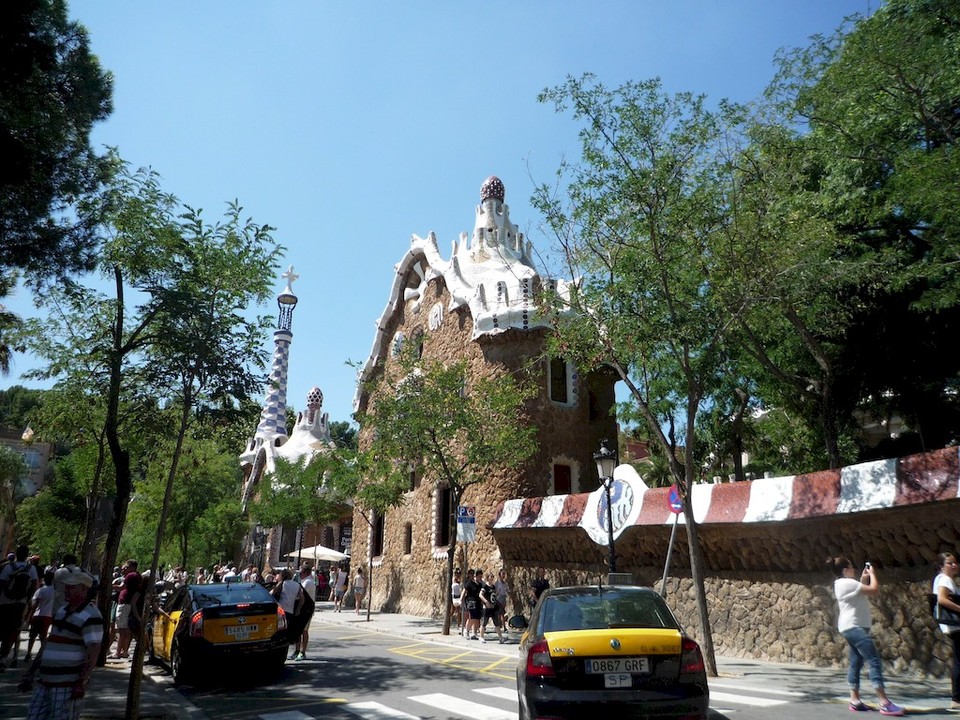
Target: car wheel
177, 667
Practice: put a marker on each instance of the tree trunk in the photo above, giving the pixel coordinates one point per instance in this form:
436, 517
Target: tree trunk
136, 664
451, 551
696, 572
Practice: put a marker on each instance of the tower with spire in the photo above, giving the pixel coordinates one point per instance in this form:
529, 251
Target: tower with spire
311, 432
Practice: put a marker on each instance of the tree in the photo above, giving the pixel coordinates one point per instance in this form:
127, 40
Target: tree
52, 521
12, 468
206, 479
9, 323
186, 343
447, 426
343, 434
17, 406
298, 493
52, 91
859, 139
639, 222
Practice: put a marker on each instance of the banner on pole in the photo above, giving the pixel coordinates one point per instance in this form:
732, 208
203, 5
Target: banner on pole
467, 523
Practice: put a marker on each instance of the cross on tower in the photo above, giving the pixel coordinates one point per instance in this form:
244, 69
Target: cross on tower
290, 276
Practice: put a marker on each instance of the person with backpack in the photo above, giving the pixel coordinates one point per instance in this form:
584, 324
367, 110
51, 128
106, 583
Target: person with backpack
18, 582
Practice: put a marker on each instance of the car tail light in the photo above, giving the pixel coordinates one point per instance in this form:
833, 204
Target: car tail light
242, 606
538, 660
691, 659
281, 619
196, 624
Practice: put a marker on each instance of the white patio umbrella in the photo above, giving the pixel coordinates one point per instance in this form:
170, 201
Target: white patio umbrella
317, 553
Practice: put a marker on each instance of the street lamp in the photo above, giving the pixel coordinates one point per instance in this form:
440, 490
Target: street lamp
259, 540
606, 460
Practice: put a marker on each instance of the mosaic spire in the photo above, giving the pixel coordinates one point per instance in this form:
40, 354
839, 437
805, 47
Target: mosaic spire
273, 417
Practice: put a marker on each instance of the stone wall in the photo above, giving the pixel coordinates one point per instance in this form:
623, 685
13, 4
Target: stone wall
767, 596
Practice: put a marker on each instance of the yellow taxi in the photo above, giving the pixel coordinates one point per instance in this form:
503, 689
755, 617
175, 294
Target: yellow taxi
618, 648
206, 626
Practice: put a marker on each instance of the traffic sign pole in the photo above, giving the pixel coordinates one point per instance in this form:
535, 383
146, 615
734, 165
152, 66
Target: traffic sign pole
676, 507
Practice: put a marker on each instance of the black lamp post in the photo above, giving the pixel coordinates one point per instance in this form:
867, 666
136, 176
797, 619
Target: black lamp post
259, 540
606, 460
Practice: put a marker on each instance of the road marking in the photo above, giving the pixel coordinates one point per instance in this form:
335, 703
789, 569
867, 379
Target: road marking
503, 693
376, 711
458, 706
754, 688
745, 699
286, 715
457, 658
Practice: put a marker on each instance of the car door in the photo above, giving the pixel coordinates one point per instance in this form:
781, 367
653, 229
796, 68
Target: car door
166, 621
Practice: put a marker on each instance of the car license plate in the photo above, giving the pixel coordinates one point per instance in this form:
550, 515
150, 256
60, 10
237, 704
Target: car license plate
240, 632
638, 665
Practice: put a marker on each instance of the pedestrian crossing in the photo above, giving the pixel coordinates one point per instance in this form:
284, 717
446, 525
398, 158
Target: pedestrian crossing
500, 703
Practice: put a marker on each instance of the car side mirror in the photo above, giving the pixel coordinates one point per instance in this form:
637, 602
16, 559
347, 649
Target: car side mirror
517, 622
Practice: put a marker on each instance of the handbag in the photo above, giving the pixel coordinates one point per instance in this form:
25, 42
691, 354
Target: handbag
944, 616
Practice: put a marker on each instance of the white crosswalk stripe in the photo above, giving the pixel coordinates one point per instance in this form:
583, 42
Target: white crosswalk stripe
753, 688
377, 711
752, 700
504, 693
451, 704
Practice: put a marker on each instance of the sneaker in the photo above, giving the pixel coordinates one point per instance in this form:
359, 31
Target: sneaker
473, 637
483, 640
860, 707
890, 709
502, 640
300, 656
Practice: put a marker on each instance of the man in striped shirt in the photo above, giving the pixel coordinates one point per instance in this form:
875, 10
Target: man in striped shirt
66, 660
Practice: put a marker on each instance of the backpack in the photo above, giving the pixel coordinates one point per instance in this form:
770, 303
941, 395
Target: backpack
18, 584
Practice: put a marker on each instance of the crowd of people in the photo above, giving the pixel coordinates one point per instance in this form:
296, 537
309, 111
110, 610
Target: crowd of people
58, 604
481, 598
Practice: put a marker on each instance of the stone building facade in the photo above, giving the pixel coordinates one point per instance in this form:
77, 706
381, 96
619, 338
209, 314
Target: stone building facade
479, 306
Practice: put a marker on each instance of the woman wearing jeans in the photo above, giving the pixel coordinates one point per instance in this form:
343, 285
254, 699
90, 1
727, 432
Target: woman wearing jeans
854, 624
945, 587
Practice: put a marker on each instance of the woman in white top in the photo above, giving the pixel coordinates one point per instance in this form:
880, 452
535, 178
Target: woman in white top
359, 589
945, 588
854, 623
288, 592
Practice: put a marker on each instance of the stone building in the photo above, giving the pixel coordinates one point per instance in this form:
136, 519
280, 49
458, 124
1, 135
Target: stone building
478, 306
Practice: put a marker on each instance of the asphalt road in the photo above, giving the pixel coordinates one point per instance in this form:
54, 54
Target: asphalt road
352, 673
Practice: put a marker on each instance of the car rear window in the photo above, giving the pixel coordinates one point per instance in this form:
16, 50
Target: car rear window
229, 594
603, 608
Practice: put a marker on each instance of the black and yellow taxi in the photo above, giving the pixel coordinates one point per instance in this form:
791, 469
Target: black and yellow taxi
616, 647
208, 626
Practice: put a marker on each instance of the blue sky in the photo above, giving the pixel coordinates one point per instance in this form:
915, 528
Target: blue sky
351, 126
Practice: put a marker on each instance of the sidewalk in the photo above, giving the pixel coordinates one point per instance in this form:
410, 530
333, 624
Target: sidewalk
107, 694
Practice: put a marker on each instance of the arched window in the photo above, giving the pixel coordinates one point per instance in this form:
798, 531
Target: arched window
560, 381
443, 508
376, 535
